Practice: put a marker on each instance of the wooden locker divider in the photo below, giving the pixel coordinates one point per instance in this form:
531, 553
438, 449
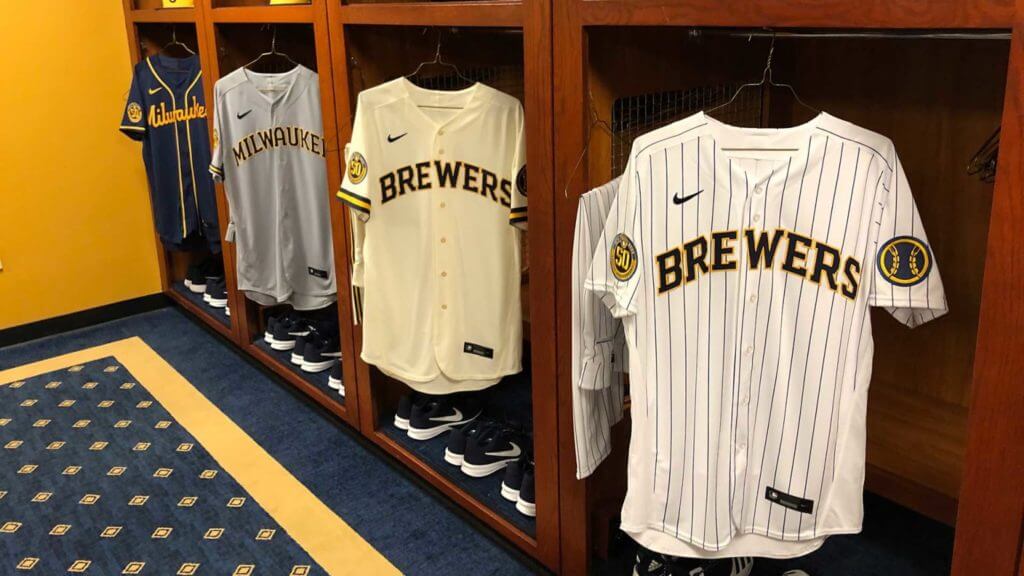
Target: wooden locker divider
532, 17
991, 498
170, 267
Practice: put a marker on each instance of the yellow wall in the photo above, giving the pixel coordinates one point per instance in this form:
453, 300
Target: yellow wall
75, 224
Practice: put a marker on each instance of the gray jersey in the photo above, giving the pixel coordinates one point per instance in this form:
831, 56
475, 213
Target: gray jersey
743, 263
597, 342
270, 153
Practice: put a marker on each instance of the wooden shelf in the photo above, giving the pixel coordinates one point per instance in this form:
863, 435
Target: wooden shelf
168, 15
301, 14
198, 312
457, 494
327, 401
945, 14
497, 13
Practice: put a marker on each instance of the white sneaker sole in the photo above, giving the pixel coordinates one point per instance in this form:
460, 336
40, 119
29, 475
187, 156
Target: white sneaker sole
401, 423
195, 288
428, 433
315, 367
526, 509
333, 384
282, 345
206, 298
452, 458
268, 337
218, 302
296, 359
481, 470
510, 494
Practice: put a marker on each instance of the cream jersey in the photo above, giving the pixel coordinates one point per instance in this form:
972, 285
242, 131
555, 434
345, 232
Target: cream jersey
439, 180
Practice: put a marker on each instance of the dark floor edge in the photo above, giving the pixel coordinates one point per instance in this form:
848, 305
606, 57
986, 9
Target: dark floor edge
378, 452
82, 319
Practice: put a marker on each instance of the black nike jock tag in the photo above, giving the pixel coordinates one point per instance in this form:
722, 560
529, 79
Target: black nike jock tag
789, 501
470, 348
318, 273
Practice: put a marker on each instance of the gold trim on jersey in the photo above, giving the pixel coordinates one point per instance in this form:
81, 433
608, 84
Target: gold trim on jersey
188, 134
354, 200
177, 147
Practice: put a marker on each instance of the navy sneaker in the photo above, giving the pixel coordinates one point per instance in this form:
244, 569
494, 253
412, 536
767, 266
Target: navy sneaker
456, 448
439, 414
216, 293
286, 331
300, 347
650, 563
334, 380
404, 411
493, 449
322, 350
195, 278
526, 504
513, 480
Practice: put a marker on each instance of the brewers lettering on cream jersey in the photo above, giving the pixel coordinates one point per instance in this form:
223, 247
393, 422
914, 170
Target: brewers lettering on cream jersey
271, 155
439, 179
743, 263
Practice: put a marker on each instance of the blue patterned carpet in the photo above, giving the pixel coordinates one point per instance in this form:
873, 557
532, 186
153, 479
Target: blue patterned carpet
415, 531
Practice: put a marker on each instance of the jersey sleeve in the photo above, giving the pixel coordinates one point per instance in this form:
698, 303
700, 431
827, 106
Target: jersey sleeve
133, 121
356, 186
618, 262
906, 279
217, 157
597, 395
517, 215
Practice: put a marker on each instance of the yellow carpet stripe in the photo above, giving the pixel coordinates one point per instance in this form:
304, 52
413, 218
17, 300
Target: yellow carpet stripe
332, 543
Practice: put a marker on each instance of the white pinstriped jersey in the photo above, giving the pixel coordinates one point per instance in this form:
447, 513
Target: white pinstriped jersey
743, 263
598, 342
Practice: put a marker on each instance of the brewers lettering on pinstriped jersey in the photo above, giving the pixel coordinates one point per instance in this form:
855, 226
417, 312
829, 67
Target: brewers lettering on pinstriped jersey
271, 155
166, 110
744, 262
598, 342
439, 179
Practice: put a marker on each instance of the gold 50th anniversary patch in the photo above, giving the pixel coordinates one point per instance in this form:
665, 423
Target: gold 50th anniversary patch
357, 168
623, 258
134, 113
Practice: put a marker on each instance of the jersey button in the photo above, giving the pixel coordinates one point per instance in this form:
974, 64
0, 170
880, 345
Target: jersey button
444, 274
443, 204
440, 151
757, 218
753, 298
748, 350
758, 189
444, 306
444, 240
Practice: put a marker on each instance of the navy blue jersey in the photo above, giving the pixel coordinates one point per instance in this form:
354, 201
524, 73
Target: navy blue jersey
166, 110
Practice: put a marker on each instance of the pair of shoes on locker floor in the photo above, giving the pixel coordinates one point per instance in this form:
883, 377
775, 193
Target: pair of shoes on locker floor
484, 447
315, 345
649, 563
424, 417
518, 486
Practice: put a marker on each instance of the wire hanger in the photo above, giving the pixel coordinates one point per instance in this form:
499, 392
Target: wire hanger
273, 51
595, 122
175, 43
766, 80
984, 162
439, 61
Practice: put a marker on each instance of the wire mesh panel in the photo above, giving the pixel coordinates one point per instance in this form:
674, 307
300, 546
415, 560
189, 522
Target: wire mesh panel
508, 79
633, 116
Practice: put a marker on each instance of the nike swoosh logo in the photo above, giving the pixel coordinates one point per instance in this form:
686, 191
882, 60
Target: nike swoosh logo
244, 114
677, 199
392, 139
513, 452
457, 417
154, 90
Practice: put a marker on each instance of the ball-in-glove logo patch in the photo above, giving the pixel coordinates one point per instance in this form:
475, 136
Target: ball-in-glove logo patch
623, 258
134, 113
357, 168
904, 261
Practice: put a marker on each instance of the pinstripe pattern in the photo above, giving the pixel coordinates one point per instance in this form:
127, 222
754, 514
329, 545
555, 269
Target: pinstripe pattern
760, 252
597, 342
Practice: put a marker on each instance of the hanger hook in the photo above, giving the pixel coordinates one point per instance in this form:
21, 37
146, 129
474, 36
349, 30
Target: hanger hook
273, 39
437, 53
174, 34
767, 74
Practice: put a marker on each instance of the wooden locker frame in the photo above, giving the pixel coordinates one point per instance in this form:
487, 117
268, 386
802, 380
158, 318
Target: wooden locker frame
533, 17
991, 505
